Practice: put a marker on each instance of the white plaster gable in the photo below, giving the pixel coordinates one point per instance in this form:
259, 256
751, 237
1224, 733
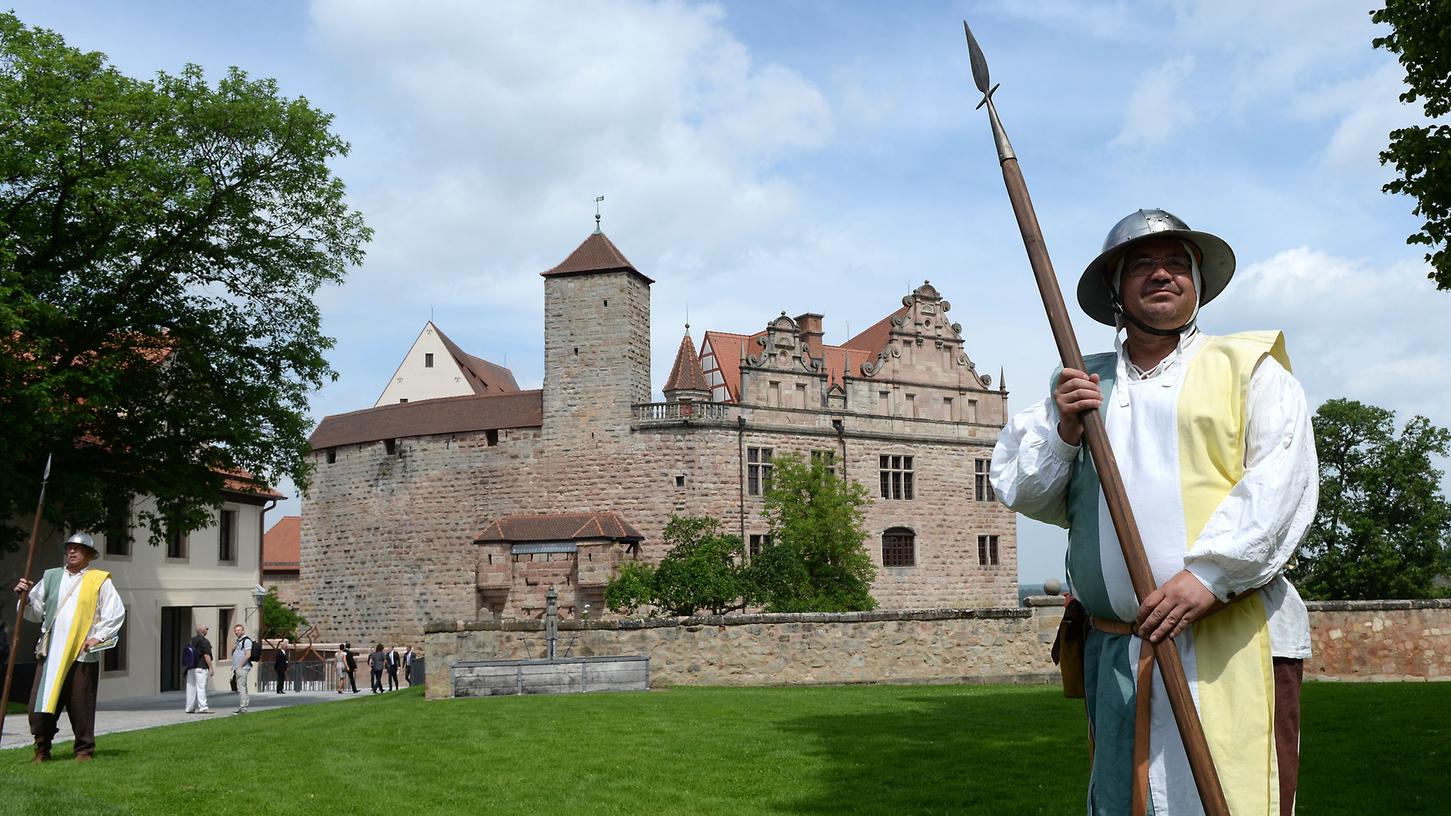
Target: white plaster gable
416, 380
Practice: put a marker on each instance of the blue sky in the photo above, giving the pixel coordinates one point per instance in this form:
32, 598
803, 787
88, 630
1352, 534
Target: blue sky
813, 156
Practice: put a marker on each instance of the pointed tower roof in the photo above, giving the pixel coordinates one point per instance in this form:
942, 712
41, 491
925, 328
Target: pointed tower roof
686, 375
597, 254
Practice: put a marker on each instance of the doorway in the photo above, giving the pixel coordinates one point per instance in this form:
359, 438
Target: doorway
176, 630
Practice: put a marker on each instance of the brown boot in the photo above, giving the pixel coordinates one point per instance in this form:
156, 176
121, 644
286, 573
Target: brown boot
40, 756
83, 757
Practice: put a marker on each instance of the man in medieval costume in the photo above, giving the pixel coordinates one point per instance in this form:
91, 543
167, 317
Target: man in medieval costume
80, 614
1213, 439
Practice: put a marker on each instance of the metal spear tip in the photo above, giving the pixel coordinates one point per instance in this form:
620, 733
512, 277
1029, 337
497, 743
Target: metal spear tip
979, 62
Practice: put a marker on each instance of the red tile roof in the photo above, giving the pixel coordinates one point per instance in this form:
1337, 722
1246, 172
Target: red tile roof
686, 375
521, 409
874, 339
596, 254
482, 376
240, 481
557, 527
281, 545
727, 349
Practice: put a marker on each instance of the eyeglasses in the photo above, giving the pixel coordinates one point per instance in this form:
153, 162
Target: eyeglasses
1144, 267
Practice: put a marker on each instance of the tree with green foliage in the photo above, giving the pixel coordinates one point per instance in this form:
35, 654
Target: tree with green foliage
631, 589
816, 559
1421, 39
1383, 528
703, 569
280, 621
161, 243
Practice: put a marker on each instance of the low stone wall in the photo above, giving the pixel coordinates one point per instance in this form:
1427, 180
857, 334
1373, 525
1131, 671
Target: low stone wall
1359, 640
888, 646
1380, 640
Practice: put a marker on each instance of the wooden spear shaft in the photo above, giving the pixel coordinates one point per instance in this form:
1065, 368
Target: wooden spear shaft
24, 599
1176, 683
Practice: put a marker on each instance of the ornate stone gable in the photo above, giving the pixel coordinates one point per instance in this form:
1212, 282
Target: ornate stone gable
783, 347
924, 324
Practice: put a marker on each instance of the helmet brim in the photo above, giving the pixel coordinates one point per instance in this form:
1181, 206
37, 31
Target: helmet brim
1216, 267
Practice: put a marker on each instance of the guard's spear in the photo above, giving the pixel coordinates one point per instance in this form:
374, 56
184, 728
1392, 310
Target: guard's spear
1211, 795
24, 598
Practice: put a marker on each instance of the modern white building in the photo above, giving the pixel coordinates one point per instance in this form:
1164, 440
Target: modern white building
209, 576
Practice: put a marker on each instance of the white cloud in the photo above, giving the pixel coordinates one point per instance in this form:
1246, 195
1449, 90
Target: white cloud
1158, 108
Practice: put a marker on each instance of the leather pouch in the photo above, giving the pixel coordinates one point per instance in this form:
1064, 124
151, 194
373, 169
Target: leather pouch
1068, 648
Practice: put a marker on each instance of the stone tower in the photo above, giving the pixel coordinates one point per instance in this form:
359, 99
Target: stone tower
596, 347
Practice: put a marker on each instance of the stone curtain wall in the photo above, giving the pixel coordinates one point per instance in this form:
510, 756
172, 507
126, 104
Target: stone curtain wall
1385, 640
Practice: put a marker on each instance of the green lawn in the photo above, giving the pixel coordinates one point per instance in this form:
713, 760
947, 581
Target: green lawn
833, 750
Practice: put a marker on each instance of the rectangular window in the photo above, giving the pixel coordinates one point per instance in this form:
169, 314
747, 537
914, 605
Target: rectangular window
947, 410
118, 526
896, 476
680, 481
224, 638
983, 480
227, 537
987, 550
971, 411
402, 400
898, 548
827, 458
773, 391
176, 545
758, 471
758, 541
884, 402
912, 405
390, 446
114, 659
427, 360
332, 455
801, 395
491, 437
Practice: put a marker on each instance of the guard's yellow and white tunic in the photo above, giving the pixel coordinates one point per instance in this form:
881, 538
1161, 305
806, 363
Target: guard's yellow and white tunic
71, 607
1218, 459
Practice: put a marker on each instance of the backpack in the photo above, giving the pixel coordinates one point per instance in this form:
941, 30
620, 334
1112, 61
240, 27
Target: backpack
188, 657
255, 653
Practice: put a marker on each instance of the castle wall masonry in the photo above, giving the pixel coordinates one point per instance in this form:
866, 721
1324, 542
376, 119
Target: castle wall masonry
387, 528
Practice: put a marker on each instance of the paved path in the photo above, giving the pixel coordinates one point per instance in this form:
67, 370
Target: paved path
165, 709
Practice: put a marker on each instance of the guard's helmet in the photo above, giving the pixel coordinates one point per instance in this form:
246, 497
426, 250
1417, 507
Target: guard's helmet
1095, 287
85, 540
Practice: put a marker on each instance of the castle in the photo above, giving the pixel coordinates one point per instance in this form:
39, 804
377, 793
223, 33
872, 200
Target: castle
467, 498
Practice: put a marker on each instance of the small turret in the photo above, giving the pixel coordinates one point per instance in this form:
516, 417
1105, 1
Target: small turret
687, 380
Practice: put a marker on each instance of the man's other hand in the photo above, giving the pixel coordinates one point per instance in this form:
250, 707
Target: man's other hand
1170, 609
23, 585
1077, 392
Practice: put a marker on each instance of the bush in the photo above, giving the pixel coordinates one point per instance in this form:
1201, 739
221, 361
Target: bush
702, 570
280, 621
632, 588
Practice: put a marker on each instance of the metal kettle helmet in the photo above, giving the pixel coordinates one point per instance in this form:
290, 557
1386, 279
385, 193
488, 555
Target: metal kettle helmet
1096, 295
85, 540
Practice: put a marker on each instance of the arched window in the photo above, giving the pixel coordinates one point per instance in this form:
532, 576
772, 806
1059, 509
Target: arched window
899, 548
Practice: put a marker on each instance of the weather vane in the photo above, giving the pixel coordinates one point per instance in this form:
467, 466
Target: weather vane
598, 199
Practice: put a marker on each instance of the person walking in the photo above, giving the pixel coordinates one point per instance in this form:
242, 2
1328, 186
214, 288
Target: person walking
340, 663
377, 663
352, 664
1213, 439
200, 672
80, 614
408, 658
242, 666
279, 666
394, 661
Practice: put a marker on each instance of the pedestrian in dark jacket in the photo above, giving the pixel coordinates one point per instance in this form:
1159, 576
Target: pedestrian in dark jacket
279, 667
394, 661
377, 661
